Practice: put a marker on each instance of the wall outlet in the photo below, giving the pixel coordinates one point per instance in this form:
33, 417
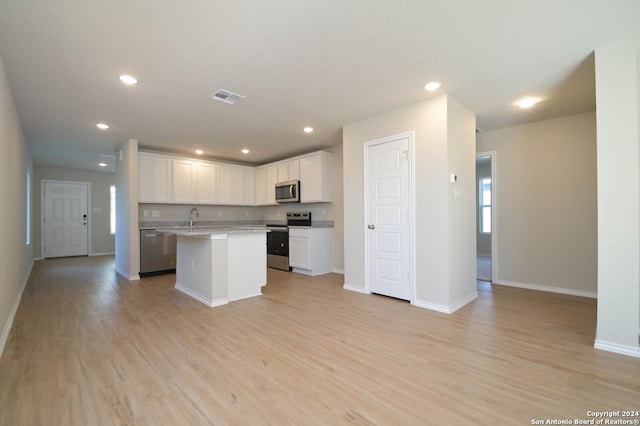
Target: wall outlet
146, 213
155, 213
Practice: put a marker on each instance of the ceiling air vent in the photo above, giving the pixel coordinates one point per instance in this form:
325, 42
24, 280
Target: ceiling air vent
226, 97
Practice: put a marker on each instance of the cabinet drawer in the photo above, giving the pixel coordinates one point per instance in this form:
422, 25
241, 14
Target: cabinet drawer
299, 232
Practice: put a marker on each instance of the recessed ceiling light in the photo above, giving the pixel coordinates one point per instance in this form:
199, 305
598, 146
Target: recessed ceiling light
245, 151
199, 151
527, 102
102, 164
128, 80
102, 126
434, 85
308, 129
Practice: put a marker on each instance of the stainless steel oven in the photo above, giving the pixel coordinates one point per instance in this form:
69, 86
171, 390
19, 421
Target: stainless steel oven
278, 239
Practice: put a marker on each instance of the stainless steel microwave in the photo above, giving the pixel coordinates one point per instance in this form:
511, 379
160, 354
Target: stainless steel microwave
288, 192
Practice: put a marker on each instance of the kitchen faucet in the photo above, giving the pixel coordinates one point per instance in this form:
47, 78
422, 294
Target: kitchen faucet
193, 210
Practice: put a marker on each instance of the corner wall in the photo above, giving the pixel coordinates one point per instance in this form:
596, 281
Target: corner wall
127, 233
17, 258
546, 204
445, 225
618, 118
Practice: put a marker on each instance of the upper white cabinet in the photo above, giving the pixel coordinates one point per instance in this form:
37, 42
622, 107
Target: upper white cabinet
249, 186
184, 182
231, 186
261, 186
288, 170
166, 179
206, 183
315, 177
272, 179
154, 178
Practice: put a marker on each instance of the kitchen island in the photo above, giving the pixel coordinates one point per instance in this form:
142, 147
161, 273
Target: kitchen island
219, 265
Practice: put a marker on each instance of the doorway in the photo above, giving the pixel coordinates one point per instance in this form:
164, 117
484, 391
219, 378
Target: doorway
388, 216
485, 215
65, 219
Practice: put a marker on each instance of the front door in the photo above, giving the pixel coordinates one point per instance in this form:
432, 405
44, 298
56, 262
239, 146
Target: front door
388, 227
65, 219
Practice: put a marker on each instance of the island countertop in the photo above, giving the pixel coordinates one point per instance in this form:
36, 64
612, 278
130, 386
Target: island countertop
213, 231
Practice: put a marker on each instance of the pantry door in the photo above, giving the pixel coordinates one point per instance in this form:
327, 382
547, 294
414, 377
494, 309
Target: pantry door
65, 219
388, 222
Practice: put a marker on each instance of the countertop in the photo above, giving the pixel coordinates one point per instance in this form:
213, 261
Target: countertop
210, 231
227, 224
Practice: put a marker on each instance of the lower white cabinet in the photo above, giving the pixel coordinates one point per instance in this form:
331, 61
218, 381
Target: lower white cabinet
310, 250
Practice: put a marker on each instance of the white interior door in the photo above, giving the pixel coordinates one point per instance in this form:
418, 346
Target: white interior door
388, 227
65, 219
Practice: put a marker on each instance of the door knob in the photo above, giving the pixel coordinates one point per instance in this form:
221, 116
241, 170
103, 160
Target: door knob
371, 226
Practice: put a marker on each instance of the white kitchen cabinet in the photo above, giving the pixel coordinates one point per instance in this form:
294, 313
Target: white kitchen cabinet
184, 181
249, 186
154, 178
272, 179
206, 183
288, 170
283, 172
293, 168
310, 250
316, 177
230, 185
261, 186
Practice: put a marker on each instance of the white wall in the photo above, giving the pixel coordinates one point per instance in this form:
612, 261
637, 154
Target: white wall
445, 226
546, 212
618, 123
127, 234
17, 258
102, 242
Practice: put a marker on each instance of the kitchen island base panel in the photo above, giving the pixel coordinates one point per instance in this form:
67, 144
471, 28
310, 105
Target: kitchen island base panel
221, 268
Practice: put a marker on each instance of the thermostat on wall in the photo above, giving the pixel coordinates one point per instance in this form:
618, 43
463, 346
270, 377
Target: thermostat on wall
453, 178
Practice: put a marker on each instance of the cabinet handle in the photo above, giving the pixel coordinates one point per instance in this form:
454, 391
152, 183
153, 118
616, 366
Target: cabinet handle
371, 226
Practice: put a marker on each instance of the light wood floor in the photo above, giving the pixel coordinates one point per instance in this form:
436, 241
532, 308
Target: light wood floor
89, 348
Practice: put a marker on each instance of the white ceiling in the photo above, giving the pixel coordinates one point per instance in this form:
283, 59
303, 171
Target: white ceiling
298, 62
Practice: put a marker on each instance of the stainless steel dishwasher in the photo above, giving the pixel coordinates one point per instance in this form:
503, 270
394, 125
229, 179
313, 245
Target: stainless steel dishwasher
157, 251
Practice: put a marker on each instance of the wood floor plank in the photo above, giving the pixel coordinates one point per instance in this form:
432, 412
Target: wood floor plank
88, 347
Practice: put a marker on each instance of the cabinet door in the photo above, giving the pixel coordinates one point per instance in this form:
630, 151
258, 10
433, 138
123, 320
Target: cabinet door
206, 183
261, 186
184, 178
249, 186
236, 186
283, 172
299, 252
315, 178
272, 179
223, 184
294, 169
154, 178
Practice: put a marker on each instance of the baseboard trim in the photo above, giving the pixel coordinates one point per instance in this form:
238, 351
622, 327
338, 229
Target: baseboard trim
354, 288
617, 348
200, 298
14, 309
38, 258
338, 271
126, 276
102, 254
446, 309
244, 297
548, 289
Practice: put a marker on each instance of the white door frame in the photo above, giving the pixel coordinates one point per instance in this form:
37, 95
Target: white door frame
494, 205
43, 206
412, 243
